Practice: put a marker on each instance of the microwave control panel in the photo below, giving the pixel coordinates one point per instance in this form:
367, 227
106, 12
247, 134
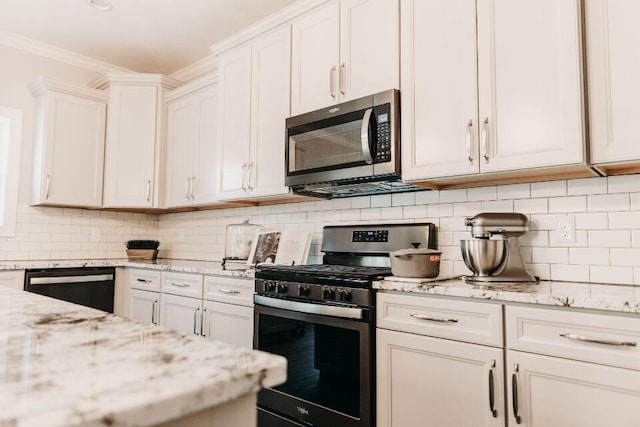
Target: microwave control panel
383, 146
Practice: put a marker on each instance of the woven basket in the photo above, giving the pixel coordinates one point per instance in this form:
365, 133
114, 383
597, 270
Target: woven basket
142, 254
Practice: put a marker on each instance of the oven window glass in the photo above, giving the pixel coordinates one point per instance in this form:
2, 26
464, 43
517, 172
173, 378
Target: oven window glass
323, 361
326, 147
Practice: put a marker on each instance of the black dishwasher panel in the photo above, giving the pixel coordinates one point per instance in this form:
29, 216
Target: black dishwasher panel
88, 286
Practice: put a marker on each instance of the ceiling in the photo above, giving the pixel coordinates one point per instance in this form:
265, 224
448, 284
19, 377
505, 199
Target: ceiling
160, 36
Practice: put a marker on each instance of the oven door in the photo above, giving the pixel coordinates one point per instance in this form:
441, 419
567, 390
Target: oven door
329, 364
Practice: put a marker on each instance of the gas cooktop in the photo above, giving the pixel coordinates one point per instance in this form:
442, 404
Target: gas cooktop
355, 271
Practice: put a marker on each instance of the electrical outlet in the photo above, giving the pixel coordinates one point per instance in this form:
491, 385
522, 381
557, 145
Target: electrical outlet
565, 229
96, 235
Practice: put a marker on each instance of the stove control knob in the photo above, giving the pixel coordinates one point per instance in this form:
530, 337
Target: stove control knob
328, 293
269, 286
304, 290
281, 288
344, 295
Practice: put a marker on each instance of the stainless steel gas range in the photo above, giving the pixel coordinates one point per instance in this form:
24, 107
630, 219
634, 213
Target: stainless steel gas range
321, 318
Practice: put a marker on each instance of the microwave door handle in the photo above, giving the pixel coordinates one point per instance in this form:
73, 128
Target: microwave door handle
364, 136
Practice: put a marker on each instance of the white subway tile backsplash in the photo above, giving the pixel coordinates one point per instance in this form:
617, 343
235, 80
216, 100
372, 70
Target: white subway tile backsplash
403, 199
624, 184
550, 255
609, 239
608, 202
625, 257
344, 203
440, 210
417, 211
391, 213
450, 196
624, 220
589, 256
514, 191
548, 189
381, 201
467, 209
584, 186
427, 197
480, 194
592, 221
622, 275
531, 206
569, 273
497, 206
567, 204
370, 214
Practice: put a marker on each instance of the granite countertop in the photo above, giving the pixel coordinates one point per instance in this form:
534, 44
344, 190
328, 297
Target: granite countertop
62, 364
185, 266
619, 298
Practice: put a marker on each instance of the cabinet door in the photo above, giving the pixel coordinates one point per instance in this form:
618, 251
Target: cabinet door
181, 314
439, 89
530, 84
228, 323
181, 129
73, 151
131, 146
558, 392
429, 381
235, 122
315, 60
613, 65
270, 102
205, 173
144, 306
369, 47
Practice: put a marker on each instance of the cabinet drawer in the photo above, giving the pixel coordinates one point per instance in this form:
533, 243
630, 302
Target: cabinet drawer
188, 285
573, 334
229, 289
475, 322
146, 280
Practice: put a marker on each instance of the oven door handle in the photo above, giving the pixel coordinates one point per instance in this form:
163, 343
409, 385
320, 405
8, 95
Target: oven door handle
364, 136
303, 307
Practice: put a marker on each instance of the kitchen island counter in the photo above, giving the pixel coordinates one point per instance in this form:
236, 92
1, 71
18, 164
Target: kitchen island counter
66, 365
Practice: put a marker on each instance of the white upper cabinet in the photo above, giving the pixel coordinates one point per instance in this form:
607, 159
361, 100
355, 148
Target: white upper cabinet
254, 103
192, 118
342, 51
135, 131
613, 37
69, 145
522, 108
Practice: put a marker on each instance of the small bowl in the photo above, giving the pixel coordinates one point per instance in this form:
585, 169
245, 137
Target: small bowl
484, 257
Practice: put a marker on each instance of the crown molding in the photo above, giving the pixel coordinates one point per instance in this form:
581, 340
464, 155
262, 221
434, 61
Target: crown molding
270, 22
192, 86
138, 79
41, 85
199, 68
52, 52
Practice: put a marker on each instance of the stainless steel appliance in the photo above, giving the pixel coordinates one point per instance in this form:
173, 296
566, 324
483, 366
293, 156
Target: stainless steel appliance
348, 149
494, 253
321, 318
89, 286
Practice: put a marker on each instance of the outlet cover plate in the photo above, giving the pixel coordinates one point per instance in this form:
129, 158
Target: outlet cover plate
565, 230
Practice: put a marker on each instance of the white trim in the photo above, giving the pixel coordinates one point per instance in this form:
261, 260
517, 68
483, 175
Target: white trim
272, 21
191, 87
10, 167
198, 69
52, 52
41, 85
137, 79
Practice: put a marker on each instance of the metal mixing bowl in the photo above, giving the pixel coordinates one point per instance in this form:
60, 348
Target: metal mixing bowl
483, 256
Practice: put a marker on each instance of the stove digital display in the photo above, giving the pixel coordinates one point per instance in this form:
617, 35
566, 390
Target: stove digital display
370, 236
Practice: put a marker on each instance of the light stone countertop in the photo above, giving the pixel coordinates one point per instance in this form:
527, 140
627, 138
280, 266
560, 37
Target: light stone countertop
62, 364
618, 298
185, 266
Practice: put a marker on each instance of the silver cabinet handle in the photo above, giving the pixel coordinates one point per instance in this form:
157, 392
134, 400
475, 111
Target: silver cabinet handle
180, 285
195, 321
228, 291
433, 319
148, 193
364, 136
249, 167
514, 393
186, 188
144, 280
331, 82
193, 184
341, 78
598, 340
153, 312
202, 320
492, 398
485, 139
47, 186
244, 177
469, 141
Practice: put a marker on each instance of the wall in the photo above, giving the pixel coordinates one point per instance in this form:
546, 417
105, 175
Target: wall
44, 233
606, 210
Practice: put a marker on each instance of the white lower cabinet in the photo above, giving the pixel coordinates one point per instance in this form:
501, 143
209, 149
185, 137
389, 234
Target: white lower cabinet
12, 279
182, 314
228, 323
144, 306
553, 392
430, 381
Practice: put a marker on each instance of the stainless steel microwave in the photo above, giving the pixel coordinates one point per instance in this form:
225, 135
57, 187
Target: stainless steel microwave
349, 143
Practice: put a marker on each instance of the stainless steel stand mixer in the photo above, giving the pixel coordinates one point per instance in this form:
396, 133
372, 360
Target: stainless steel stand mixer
493, 255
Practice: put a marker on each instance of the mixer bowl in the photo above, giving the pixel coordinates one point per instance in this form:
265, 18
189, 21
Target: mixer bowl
483, 256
